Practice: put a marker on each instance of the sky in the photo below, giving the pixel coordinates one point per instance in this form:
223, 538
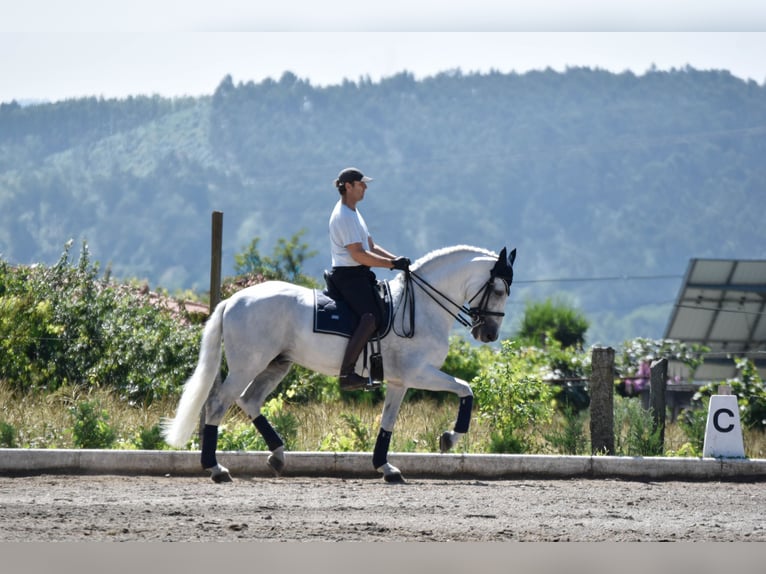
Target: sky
54, 50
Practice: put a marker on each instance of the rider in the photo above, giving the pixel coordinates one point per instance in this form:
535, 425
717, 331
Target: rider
353, 254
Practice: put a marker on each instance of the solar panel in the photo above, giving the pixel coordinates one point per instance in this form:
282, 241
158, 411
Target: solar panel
721, 305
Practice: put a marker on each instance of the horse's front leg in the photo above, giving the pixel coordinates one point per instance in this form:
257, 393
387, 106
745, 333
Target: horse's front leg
432, 379
449, 439
391, 406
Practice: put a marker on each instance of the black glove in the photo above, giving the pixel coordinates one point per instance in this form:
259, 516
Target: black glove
401, 263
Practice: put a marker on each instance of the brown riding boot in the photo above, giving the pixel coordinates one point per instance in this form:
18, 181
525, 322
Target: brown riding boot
349, 380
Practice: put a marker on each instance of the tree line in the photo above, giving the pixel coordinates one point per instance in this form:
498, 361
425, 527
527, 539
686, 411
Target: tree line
590, 174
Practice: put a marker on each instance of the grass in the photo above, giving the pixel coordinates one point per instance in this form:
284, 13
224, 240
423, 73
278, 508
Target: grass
48, 421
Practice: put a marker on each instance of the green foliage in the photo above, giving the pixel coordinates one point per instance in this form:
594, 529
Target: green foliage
551, 319
465, 360
357, 436
246, 436
285, 423
285, 264
751, 394
150, 439
570, 366
63, 326
513, 399
91, 426
693, 423
8, 435
634, 430
359, 431
569, 435
240, 437
302, 386
633, 351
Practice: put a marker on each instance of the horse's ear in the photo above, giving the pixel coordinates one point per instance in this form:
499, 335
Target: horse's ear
511, 257
502, 256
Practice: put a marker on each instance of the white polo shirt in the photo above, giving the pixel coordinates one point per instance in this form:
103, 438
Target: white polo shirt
346, 227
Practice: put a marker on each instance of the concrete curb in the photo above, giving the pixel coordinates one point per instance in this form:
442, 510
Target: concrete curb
19, 462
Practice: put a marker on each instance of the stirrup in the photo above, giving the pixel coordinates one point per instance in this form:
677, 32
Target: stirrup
354, 382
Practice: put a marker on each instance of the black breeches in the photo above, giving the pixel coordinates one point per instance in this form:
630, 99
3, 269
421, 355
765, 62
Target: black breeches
357, 286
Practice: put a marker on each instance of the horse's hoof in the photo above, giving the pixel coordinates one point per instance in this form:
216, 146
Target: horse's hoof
223, 477
220, 474
445, 442
394, 478
276, 464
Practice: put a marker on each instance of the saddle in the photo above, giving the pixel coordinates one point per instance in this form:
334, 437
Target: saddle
333, 316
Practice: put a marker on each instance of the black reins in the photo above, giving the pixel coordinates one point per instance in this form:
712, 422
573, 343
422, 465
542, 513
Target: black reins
476, 314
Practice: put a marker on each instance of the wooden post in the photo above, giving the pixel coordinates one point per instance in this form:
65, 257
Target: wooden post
657, 388
602, 401
215, 259
216, 248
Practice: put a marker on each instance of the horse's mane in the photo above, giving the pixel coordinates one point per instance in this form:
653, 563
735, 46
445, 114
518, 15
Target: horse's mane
438, 253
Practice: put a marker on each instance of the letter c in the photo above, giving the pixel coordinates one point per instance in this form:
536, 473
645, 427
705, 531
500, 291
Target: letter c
717, 426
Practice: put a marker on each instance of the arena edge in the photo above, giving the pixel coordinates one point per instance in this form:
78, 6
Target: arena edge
19, 462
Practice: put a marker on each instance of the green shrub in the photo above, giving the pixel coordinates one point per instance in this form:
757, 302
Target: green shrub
634, 430
61, 326
302, 386
357, 436
551, 319
8, 435
693, 423
247, 437
91, 427
150, 439
569, 436
464, 360
240, 437
286, 425
512, 398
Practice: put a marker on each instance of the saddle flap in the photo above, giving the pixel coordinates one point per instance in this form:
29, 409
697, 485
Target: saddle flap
333, 316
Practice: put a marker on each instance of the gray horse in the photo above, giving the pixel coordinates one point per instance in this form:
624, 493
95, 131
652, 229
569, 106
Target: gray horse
268, 327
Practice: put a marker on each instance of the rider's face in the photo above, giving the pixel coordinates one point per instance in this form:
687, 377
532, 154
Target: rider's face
355, 191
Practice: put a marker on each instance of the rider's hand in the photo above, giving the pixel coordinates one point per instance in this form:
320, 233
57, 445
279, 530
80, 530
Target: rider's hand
400, 263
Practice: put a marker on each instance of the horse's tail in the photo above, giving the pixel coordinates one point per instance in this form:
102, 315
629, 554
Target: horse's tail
177, 431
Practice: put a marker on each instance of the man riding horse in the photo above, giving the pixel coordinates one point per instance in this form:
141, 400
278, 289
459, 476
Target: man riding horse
353, 254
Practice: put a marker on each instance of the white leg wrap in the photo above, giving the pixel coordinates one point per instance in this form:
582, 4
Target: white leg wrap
219, 473
388, 469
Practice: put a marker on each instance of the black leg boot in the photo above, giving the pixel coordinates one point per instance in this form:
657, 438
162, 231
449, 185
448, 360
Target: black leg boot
349, 380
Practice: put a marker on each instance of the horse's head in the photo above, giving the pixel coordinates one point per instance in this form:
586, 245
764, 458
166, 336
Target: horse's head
487, 316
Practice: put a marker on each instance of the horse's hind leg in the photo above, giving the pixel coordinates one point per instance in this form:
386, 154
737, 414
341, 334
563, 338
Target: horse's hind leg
391, 406
251, 401
221, 397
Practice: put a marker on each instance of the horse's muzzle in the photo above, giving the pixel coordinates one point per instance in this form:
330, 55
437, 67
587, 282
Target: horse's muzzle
485, 333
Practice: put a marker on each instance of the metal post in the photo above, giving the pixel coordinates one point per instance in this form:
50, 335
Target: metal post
602, 401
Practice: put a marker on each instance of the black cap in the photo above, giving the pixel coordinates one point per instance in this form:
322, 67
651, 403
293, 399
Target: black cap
351, 174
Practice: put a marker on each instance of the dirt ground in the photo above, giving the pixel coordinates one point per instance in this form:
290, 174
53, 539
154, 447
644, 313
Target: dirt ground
52, 508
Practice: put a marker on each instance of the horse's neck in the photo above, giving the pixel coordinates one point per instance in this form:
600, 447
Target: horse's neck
451, 272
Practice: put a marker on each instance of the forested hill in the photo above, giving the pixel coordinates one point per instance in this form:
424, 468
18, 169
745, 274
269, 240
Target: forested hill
590, 175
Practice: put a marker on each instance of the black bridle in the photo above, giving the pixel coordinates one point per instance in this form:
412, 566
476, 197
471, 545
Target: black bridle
502, 270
